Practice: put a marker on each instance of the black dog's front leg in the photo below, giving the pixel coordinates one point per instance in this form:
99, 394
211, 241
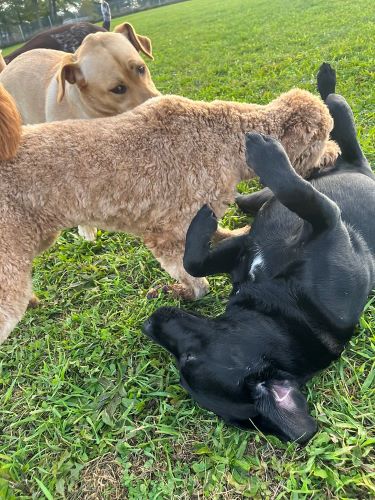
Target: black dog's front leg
268, 159
252, 203
202, 260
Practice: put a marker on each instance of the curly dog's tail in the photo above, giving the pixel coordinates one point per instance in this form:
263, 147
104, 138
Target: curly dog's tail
10, 126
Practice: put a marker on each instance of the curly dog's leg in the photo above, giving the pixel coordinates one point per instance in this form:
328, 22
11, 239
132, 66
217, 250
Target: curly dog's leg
43, 245
48, 241
326, 83
15, 290
329, 156
170, 254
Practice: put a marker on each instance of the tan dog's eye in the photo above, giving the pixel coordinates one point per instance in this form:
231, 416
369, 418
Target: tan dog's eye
141, 70
119, 89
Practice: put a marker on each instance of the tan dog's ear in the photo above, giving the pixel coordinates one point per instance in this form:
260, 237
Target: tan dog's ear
71, 72
141, 43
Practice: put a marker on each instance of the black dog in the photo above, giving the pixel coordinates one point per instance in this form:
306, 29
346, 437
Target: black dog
301, 278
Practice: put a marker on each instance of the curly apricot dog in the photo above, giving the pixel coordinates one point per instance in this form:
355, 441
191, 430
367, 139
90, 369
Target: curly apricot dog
160, 163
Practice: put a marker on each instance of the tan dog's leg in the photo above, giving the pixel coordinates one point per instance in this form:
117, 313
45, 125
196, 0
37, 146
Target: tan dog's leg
170, 255
15, 291
87, 232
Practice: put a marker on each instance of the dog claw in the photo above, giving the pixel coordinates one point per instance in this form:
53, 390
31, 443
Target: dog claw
34, 302
154, 292
177, 290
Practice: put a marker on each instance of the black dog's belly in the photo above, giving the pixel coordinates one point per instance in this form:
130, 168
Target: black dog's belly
281, 236
328, 275
355, 195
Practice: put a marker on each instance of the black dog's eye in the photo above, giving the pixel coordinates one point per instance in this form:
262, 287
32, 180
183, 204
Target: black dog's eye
141, 70
119, 89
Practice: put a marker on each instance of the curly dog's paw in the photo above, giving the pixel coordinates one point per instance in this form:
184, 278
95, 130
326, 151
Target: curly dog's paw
177, 290
34, 302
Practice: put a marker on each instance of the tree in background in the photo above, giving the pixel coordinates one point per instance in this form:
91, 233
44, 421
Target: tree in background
89, 8
26, 11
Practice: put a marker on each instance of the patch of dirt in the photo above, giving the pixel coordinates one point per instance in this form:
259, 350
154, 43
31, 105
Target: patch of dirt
100, 479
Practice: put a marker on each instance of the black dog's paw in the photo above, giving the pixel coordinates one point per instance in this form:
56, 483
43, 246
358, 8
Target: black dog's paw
326, 80
266, 156
205, 219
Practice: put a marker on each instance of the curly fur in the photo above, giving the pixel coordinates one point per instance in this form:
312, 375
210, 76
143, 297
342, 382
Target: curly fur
10, 126
160, 163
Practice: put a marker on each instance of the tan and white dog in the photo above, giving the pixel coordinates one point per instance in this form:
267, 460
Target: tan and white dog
104, 77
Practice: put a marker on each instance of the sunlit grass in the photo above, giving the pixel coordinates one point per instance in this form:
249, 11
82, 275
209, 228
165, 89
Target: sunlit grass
79, 381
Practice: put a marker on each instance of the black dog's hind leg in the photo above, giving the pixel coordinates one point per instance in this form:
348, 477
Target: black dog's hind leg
344, 132
326, 80
252, 203
269, 160
202, 260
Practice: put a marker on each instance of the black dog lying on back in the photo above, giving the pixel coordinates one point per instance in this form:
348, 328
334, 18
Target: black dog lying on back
301, 278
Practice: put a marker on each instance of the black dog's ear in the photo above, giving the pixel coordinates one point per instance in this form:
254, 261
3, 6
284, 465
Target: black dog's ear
283, 411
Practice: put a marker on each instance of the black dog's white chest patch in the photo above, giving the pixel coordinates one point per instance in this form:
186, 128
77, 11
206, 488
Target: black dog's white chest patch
257, 265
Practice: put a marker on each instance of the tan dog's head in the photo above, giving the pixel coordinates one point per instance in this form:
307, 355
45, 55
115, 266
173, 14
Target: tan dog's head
108, 71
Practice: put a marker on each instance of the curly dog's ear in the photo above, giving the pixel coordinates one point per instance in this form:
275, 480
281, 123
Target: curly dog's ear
141, 43
69, 71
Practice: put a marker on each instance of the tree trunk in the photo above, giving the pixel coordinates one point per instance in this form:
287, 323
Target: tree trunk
37, 12
52, 9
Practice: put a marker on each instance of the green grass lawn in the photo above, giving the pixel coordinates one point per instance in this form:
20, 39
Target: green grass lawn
89, 407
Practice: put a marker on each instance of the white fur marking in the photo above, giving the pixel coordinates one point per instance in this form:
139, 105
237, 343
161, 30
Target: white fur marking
281, 399
257, 262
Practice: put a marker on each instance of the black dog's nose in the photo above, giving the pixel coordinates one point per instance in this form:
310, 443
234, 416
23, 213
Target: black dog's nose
148, 327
